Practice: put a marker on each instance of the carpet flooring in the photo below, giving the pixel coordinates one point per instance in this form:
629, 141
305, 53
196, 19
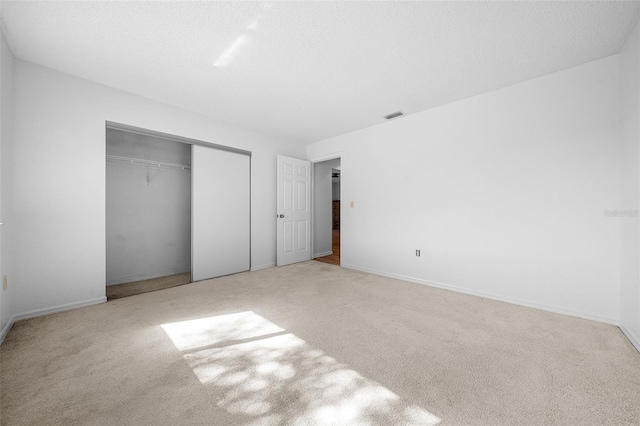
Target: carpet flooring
315, 344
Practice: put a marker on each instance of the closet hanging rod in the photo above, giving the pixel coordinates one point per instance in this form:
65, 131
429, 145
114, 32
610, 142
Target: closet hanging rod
147, 163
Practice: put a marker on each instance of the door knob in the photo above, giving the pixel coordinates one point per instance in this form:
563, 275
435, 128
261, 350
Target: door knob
280, 216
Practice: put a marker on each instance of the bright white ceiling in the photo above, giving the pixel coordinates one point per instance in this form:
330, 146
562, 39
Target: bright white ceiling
311, 70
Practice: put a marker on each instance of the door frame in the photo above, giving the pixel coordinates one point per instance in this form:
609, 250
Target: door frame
313, 161
148, 132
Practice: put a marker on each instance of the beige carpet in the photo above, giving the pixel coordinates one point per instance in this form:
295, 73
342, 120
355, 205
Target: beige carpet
313, 343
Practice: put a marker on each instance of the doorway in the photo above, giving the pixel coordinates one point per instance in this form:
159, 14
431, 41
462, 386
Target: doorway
327, 208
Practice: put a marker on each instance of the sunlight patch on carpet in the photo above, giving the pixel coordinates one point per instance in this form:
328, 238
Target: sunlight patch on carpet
281, 378
208, 331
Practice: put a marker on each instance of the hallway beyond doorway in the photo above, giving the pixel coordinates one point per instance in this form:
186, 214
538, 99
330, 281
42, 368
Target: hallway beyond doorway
333, 259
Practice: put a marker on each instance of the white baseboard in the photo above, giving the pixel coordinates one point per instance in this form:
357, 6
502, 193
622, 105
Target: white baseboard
60, 308
265, 266
635, 340
554, 309
326, 253
6, 328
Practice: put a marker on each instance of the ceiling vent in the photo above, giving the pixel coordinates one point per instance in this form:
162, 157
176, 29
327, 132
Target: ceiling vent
394, 115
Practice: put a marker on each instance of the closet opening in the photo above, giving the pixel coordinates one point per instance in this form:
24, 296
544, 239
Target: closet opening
178, 210
148, 213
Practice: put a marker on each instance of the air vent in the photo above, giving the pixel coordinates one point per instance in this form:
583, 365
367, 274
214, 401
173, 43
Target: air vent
394, 115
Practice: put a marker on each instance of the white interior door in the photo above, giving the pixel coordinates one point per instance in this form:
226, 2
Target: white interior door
220, 226
294, 210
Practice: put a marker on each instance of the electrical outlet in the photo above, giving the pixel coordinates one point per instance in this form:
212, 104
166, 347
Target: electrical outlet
351, 204
5, 282
418, 253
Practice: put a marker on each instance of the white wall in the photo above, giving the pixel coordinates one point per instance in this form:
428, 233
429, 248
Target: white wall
323, 207
6, 187
60, 181
630, 195
503, 193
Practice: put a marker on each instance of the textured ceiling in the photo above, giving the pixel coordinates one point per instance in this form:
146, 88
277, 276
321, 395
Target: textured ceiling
311, 70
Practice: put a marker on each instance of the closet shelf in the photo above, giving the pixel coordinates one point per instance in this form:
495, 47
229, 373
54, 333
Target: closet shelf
147, 163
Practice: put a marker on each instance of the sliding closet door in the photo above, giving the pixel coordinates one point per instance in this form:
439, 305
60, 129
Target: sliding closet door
220, 213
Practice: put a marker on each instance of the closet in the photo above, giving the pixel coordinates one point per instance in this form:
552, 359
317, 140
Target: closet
176, 208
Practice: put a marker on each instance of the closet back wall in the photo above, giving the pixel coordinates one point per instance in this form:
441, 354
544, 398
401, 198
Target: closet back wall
148, 209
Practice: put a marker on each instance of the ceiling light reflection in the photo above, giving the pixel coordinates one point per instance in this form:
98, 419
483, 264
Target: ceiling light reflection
227, 56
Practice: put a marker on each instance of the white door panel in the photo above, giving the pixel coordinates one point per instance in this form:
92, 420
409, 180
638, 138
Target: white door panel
294, 210
220, 225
